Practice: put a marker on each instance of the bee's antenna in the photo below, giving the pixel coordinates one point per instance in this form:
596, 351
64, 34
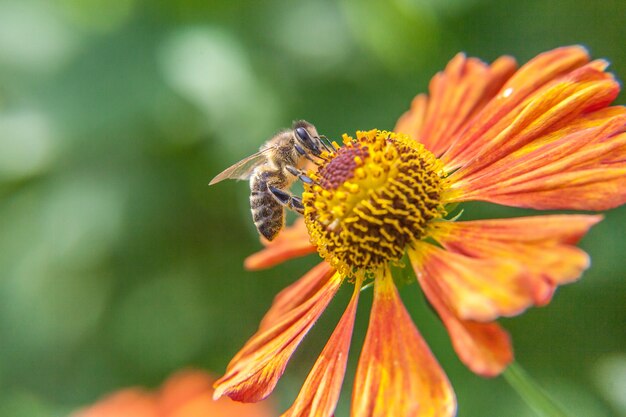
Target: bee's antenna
326, 142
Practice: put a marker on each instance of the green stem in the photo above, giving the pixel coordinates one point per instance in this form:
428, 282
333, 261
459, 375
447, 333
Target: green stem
531, 393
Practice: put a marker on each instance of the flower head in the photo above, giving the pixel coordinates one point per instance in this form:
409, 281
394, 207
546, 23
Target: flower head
542, 136
371, 199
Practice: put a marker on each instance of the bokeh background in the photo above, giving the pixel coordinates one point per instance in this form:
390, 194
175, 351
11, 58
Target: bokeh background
119, 265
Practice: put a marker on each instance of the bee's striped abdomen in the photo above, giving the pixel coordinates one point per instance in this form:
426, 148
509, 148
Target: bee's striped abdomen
267, 213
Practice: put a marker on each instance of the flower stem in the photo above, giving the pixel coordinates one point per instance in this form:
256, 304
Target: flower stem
532, 393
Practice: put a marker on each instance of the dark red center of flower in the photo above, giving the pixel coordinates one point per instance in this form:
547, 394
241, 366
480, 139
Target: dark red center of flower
341, 168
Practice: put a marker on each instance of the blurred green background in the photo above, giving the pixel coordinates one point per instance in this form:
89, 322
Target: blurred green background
120, 265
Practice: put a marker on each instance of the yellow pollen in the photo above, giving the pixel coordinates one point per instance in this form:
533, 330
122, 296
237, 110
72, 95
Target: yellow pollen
371, 199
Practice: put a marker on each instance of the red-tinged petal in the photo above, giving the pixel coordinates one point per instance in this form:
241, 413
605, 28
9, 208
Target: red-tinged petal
502, 109
484, 347
189, 394
183, 387
205, 406
185, 394
255, 370
291, 298
320, 392
588, 189
544, 245
296, 294
564, 228
593, 140
547, 110
397, 374
292, 242
579, 166
476, 289
129, 402
456, 94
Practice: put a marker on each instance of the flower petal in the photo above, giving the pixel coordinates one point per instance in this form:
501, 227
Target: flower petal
456, 94
204, 405
544, 245
255, 370
292, 242
557, 147
481, 132
129, 402
476, 289
296, 294
397, 374
544, 174
185, 394
484, 347
320, 392
548, 109
183, 387
580, 166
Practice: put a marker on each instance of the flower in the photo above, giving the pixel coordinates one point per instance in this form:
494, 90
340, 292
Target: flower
185, 394
542, 136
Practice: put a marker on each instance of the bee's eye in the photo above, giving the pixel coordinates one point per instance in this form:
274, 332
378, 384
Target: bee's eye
307, 140
303, 135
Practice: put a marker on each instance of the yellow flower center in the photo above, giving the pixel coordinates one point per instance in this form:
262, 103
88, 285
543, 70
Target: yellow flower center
371, 199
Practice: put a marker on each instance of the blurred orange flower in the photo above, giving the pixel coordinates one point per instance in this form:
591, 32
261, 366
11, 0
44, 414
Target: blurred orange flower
184, 394
542, 136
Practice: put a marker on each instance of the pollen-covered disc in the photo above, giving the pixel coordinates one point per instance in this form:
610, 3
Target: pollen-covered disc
371, 199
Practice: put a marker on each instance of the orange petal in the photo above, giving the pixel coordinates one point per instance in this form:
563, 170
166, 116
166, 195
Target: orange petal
189, 394
320, 392
544, 245
183, 387
204, 405
484, 347
185, 394
543, 112
580, 166
456, 94
292, 242
498, 114
397, 374
600, 188
553, 145
297, 293
591, 141
255, 370
476, 289
129, 402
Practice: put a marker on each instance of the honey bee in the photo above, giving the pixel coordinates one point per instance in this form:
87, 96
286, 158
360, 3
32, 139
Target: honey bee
272, 170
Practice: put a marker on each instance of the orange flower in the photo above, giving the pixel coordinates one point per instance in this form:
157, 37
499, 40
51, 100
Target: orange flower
542, 136
184, 394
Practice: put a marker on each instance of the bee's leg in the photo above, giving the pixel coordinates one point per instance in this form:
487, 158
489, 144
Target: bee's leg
300, 174
305, 154
290, 201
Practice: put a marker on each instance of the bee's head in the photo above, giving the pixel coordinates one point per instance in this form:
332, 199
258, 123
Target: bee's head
307, 137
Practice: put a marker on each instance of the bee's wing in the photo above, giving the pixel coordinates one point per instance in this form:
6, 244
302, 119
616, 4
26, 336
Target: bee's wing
243, 169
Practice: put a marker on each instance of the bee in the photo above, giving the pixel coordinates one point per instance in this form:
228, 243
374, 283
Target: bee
271, 172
